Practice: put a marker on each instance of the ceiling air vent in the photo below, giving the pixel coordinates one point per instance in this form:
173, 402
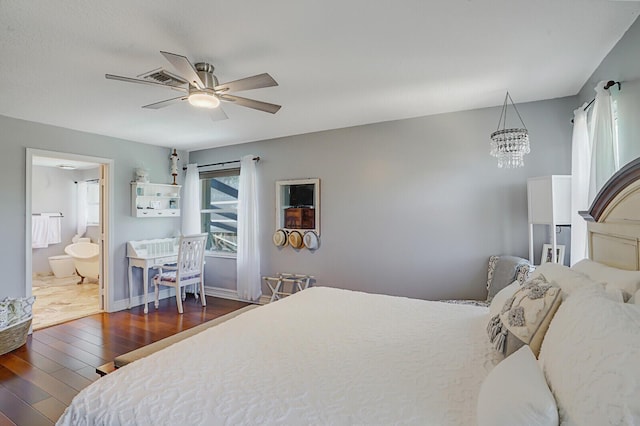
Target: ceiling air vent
162, 76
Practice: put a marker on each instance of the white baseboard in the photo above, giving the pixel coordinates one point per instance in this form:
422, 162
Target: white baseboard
121, 305
223, 293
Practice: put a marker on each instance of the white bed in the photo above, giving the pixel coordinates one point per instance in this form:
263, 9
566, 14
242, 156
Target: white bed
322, 356
329, 356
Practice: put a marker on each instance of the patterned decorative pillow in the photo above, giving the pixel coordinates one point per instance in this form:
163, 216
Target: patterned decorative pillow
525, 317
523, 272
499, 299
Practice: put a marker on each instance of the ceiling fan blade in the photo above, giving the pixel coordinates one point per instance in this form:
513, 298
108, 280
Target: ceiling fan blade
251, 103
217, 114
255, 82
163, 104
136, 80
184, 68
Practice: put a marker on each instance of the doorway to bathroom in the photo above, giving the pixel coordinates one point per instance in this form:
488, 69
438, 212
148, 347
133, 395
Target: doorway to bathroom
67, 196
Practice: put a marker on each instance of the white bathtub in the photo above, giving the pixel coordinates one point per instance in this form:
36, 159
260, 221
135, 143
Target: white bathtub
86, 257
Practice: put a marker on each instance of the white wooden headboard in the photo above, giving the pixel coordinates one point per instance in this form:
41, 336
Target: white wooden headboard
614, 220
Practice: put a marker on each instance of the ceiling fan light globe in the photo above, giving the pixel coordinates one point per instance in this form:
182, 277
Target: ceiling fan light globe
204, 100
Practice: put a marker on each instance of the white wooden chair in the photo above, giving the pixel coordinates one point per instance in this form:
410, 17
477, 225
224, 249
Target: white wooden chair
188, 270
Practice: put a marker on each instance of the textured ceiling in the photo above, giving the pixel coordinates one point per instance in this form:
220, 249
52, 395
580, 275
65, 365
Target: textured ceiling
57, 162
338, 63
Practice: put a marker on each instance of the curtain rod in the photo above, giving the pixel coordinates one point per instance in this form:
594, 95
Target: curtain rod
222, 163
42, 214
607, 86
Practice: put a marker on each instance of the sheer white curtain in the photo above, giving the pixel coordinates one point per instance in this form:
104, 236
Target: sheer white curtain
604, 144
248, 256
81, 209
190, 208
191, 202
580, 165
626, 104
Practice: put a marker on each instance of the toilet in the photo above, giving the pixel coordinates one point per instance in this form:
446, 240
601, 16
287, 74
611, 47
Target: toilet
62, 266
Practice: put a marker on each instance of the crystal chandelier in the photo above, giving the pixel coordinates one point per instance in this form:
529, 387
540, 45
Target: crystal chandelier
509, 145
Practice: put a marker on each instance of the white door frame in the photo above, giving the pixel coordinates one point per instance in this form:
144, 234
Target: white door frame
106, 264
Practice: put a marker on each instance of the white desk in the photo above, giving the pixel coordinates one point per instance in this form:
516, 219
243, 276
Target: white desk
149, 254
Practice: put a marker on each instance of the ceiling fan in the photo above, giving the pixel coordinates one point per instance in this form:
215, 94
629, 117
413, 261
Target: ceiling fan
200, 87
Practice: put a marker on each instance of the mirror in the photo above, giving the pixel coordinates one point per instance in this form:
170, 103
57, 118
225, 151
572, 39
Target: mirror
298, 205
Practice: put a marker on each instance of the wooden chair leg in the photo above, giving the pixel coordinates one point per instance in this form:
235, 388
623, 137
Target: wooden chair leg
179, 299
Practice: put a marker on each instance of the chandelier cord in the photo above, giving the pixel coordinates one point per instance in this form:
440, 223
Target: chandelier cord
503, 113
514, 107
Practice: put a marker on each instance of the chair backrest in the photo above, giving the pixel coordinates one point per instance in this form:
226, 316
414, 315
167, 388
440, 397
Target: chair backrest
503, 270
191, 254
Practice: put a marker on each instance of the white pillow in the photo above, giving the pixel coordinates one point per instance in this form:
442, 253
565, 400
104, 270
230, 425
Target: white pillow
628, 281
616, 294
501, 297
566, 278
590, 358
516, 393
635, 299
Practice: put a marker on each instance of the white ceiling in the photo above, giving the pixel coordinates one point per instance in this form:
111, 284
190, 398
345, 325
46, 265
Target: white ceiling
57, 162
338, 63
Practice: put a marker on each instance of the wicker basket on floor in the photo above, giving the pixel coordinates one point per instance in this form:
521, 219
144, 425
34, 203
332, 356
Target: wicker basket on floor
14, 336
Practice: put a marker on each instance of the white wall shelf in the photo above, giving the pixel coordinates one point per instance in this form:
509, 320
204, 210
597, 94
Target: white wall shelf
155, 200
549, 203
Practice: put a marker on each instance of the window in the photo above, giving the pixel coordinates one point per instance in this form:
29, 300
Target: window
220, 209
93, 203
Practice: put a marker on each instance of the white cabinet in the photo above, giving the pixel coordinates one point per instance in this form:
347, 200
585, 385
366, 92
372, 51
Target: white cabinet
549, 201
155, 200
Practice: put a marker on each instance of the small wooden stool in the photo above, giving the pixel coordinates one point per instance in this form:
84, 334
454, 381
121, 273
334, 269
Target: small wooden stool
277, 284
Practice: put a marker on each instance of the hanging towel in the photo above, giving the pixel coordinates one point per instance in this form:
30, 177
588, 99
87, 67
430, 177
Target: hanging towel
39, 231
55, 228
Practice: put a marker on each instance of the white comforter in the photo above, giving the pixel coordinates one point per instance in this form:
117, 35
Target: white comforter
322, 356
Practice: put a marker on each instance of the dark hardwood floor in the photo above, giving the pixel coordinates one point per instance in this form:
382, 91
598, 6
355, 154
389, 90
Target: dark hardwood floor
39, 380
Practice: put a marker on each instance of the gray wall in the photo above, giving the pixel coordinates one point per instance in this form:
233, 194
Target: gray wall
16, 136
412, 207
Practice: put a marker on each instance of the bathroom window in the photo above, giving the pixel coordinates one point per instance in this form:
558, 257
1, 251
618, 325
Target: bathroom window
220, 210
93, 203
